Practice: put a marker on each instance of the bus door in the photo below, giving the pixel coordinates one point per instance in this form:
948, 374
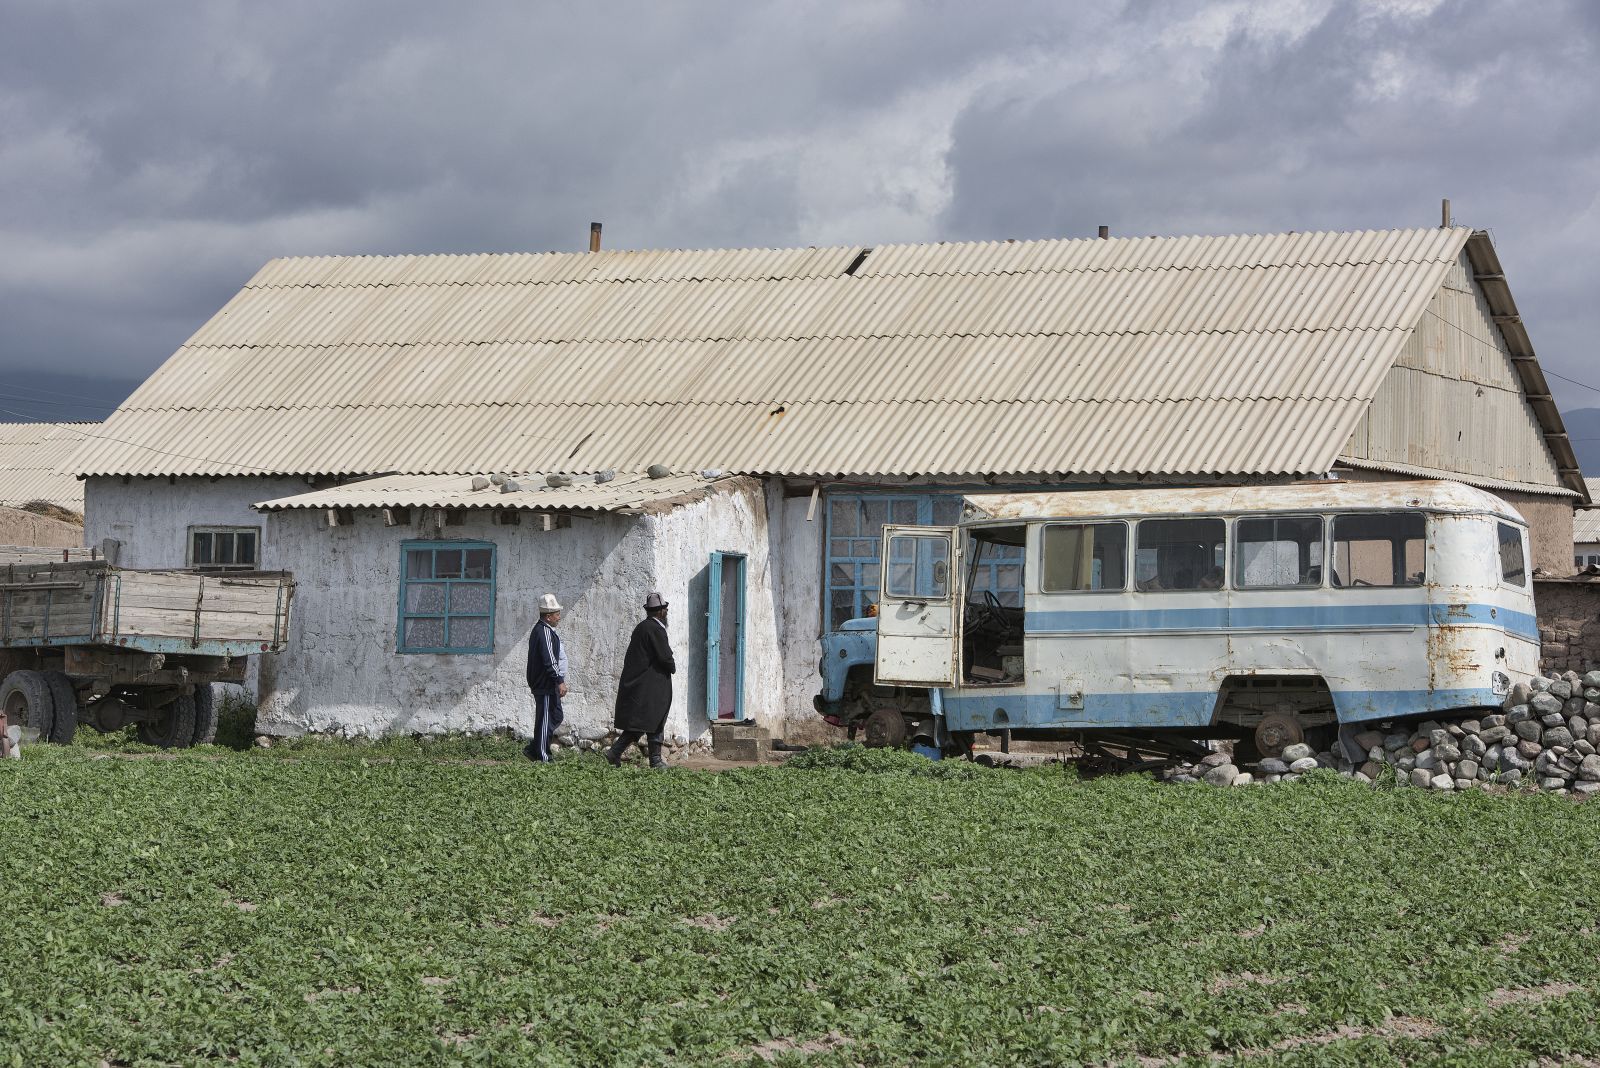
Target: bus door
919, 607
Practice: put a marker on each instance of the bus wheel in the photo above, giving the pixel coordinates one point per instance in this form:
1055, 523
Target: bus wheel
885, 729
1278, 731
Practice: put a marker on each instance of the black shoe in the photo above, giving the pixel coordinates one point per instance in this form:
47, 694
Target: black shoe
528, 752
613, 758
658, 765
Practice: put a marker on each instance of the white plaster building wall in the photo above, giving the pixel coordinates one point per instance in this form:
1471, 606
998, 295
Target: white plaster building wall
732, 521
151, 517
341, 673
798, 589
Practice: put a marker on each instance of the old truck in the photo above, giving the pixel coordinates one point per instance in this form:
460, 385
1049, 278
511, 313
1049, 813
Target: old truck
82, 641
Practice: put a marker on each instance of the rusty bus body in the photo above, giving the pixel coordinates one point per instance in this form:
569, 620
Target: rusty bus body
1274, 613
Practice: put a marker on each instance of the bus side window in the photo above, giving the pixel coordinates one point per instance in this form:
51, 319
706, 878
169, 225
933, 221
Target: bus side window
1180, 554
1378, 549
1084, 556
1513, 571
1278, 551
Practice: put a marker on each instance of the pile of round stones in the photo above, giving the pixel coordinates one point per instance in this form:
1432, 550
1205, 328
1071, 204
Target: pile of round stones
1547, 734
595, 739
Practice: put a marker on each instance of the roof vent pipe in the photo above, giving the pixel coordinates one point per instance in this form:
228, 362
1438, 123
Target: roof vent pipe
1444, 214
1105, 232
594, 237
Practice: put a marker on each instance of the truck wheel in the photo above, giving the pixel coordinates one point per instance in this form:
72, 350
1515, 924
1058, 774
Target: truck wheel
25, 697
885, 729
205, 714
173, 725
64, 726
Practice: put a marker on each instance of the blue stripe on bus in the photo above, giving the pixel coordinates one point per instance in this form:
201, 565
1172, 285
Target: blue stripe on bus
977, 711
1295, 617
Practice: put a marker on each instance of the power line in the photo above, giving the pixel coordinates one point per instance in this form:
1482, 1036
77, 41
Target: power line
1497, 348
1574, 381
54, 392
81, 405
137, 445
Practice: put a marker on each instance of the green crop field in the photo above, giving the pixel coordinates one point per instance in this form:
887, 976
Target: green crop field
347, 906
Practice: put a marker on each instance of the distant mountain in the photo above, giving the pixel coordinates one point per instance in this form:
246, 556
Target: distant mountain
1583, 427
30, 395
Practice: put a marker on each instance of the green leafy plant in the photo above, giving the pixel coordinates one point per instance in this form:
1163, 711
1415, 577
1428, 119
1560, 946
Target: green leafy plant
375, 904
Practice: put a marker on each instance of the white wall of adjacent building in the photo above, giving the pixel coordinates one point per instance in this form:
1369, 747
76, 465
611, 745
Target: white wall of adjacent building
342, 672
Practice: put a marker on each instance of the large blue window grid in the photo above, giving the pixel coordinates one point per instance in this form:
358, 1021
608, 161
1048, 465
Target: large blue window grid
446, 597
854, 533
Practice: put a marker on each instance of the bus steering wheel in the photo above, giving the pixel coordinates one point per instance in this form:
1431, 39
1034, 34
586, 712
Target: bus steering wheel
993, 611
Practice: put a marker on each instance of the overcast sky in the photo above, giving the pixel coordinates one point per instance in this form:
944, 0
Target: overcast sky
154, 155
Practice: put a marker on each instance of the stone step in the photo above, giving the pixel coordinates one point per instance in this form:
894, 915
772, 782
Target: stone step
737, 749
740, 741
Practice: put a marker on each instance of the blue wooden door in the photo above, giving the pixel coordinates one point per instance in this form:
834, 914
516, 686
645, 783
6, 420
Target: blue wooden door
725, 594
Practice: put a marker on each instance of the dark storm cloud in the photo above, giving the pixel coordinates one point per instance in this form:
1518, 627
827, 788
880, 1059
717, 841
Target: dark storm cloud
1362, 116
153, 156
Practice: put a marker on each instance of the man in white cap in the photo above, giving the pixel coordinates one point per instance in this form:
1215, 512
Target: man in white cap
547, 678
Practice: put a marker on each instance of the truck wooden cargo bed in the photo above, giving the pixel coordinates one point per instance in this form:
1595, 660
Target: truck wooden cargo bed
90, 602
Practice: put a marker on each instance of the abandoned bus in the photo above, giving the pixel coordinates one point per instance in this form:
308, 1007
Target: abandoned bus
1273, 614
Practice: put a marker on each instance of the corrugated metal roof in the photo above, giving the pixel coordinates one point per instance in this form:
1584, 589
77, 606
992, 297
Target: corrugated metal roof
626, 493
1240, 354
1586, 521
35, 464
1482, 481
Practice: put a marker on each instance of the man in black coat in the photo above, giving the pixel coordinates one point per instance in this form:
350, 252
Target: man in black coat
644, 694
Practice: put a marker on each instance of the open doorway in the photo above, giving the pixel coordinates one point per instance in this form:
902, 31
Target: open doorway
991, 634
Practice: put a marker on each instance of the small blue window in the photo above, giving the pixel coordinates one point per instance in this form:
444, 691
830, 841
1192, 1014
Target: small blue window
446, 597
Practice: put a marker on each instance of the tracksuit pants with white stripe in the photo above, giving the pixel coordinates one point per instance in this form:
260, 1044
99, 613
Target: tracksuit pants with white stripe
547, 717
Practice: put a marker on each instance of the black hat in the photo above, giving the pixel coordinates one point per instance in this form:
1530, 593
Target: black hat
653, 601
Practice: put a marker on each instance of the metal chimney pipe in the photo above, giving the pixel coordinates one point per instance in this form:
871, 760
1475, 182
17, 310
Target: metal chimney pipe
594, 237
1105, 231
1444, 214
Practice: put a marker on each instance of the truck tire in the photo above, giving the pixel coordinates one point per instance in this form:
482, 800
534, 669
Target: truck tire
205, 714
173, 725
64, 726
25, 696
886, 728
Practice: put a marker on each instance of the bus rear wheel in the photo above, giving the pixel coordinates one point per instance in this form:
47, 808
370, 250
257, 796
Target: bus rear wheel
1276, 732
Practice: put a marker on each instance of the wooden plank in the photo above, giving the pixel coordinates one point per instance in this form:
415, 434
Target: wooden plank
261, 606
213, 626
34, 554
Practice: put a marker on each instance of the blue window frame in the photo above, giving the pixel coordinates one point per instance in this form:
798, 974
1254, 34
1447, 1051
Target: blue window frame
446, 597
855, 523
